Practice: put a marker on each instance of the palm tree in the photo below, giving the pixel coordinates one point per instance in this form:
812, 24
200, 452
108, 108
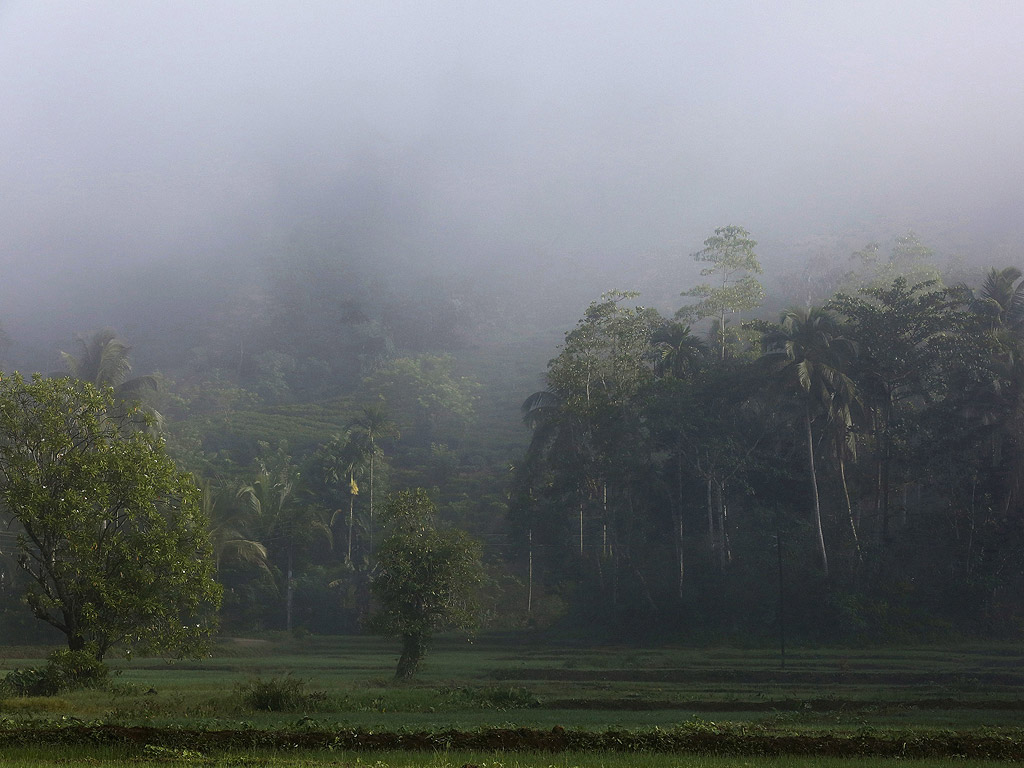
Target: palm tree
105, 360
228, 534
997, 401
1001, 300
677, 351
560, 434
373, 425
809, 355
341, 461
902, 332
283, 522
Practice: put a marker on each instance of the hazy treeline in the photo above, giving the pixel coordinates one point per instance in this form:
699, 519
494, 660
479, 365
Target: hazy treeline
863, 449
865, 457
295, 399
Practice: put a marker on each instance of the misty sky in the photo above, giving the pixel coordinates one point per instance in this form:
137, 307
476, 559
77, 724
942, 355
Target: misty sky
156, 138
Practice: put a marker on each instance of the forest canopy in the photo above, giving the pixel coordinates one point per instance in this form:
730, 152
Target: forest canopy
849, 445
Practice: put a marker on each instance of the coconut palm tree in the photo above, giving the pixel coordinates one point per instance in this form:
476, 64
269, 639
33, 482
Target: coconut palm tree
105, 360
561, 435
285, 524
809, 356
1001, 300
228, 531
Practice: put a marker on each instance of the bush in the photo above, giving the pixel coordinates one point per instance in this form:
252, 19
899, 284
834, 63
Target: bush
280, 694
497, 697
65, 670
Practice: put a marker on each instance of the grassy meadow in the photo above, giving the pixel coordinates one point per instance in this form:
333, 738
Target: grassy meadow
513, 704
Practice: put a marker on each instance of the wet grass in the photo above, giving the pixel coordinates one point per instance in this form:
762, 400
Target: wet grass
119, 757
499, 682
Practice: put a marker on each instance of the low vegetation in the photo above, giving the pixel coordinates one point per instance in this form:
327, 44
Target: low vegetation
320, 699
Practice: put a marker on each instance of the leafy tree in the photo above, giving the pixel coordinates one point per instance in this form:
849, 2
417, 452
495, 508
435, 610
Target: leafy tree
607, 357
426, 578
585, 423
909, 259
903, 332
425, 395
996, 400
111, 536
730, 252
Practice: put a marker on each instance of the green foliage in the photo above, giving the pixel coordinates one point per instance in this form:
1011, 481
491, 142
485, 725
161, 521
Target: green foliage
426, 395
426, 577
730, 252
908, 259
111, 537
280, 694
278, 516
663, 489
65, 670
606, 358
497, 697
105, 360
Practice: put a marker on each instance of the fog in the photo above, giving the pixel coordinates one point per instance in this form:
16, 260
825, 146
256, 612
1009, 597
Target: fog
154, 153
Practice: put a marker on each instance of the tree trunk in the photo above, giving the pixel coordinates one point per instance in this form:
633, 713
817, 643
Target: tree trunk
351, 520
529, 574
581, 525
414, 647
370, 526
721, 332
814, 487
884, 478
289, 593
725, 551
849, 504
679, 525
711, 519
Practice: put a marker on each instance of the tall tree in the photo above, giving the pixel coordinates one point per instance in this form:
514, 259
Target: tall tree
901, 332
373, 425
285, 523
997, 398
809, 355
733, 264
341, 461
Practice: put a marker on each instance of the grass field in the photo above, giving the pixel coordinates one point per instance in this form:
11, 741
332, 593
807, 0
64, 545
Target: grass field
657, 704
36, 758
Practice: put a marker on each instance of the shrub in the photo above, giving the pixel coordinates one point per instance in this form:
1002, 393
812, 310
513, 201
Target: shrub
65, 670
280, 694
496, 697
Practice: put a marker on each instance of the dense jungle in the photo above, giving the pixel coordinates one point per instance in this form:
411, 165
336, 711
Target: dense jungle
839, 462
